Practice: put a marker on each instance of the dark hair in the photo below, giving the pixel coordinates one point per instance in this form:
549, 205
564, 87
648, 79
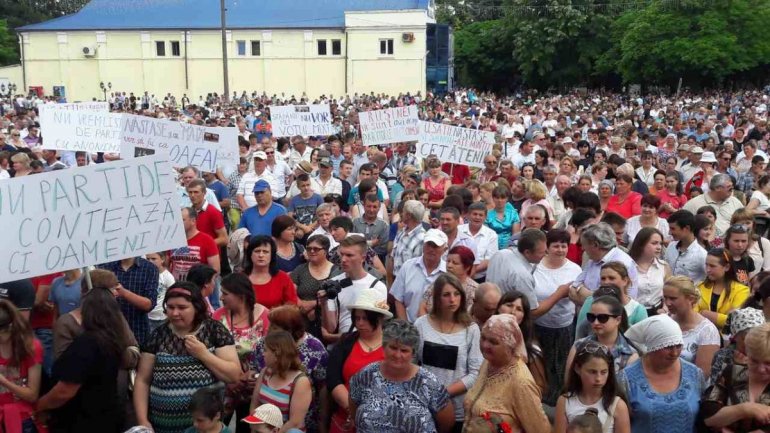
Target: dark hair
200, 275
303, 177
102, 320
343, 223
696, 189
557, 236
651, 201
371, 198
706, 209
701, 222
192, 294
570, 196
641, 240
260, 241
613, 219
614, 300
461, 316
529, 238
726, 260
580, 216
207, 402
589, 200
453, 203
21, 334
625, 178
584, 352
366, 186
321, 240
281, 223
588, 422
683, 219
239, 285
374, 319
526, 326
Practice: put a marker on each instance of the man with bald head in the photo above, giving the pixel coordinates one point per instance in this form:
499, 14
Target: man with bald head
485, 304
561, 184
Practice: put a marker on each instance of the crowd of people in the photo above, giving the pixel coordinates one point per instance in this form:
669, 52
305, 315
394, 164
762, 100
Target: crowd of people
606, 270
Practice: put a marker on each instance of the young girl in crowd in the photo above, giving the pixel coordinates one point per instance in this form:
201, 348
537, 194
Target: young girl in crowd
613, 274
591, 384
165, 280
705, 231
515, 303
608, 321
737, 239
586, 423
651, 271
720, 292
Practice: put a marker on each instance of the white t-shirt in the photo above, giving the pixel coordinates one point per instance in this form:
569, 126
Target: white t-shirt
165, 281
546, 282
634, 226
348, 295
759, 196
704, 334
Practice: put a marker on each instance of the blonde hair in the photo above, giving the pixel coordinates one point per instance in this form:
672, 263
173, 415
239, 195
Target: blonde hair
758, 342
685, 287
488, 186
536, 190
598, 165
21, 158
568, 159
742, 215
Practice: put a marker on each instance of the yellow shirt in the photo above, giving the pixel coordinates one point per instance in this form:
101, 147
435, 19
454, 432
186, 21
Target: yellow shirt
739, 293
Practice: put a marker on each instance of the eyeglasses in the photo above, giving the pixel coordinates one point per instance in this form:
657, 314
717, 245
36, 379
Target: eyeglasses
269, 153
313, 250
602, 318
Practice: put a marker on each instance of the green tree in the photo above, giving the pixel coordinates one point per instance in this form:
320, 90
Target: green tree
484, 56
8, 55
703, 42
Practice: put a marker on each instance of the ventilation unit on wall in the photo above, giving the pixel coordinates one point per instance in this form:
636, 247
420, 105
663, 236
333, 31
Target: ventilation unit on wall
89, 51
407, 37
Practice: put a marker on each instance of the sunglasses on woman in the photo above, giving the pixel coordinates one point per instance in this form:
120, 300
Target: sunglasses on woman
602, 318
593, 348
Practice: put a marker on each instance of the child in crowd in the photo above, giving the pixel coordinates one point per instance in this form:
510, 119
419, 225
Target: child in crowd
206, 408
586, 423
591, 385
302, 207
265, 419
165, 280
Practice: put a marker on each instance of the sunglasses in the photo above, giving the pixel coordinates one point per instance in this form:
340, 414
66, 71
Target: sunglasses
602, 318
739, 228
313, 250
593, 348
269, 153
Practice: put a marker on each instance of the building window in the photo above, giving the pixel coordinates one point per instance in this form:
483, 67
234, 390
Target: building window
256, 49
241, 45
386, 47
175, 51
160, 48
336, 47
322, 47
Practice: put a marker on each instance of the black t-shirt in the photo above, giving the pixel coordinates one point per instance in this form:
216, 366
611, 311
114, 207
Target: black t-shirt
21, 293
743, 267
95, 406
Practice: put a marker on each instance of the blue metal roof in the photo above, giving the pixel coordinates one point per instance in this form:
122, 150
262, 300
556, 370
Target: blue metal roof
204, 14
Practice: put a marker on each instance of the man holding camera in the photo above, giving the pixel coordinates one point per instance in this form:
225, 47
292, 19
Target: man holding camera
336, 318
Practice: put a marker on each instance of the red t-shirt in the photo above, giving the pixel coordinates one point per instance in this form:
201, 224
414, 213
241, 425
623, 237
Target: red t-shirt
209, 221
19, 374
460, 173
42, 319
198, 250
278, 291
631, 206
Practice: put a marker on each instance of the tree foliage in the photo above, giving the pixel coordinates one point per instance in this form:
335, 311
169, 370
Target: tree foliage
484, 56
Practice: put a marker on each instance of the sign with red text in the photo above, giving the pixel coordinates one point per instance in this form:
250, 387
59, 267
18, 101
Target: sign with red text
391, 125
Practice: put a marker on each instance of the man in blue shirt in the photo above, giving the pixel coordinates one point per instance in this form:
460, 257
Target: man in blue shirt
258, 219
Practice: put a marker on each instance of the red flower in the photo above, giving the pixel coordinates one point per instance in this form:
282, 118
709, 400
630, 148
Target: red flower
505, 427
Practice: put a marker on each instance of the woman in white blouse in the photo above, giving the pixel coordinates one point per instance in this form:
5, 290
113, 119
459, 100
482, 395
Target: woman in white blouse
648, 218
651, 271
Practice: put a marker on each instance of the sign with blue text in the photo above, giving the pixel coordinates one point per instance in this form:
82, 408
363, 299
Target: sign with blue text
68, 219
391, 125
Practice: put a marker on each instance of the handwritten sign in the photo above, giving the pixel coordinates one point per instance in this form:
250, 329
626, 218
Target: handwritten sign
184, 143
391, 125
306, 120
69, 219
454, 144
78, 106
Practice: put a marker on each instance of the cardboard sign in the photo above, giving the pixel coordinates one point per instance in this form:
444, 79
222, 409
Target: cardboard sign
84, 216
185, 144
391, 125
455, 144
305, 120
131, 135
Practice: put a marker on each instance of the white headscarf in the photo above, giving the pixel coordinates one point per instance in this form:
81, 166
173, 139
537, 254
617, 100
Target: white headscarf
505, 327
655, 333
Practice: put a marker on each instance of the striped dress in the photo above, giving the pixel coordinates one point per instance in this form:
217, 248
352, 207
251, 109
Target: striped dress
280, 397
176, 375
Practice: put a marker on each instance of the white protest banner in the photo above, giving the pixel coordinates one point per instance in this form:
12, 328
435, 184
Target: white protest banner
454, 144
391, 125
68, 219
306, 120
184, 143
86, 130
76, 106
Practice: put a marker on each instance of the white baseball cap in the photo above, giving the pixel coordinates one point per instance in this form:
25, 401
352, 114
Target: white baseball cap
266, 414
436, 236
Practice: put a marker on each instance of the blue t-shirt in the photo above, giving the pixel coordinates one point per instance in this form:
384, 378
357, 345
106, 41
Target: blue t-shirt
353, 198
65, 296
220, 190
258, 224
304, 208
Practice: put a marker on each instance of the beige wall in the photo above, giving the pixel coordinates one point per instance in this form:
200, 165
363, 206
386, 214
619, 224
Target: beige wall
288, 63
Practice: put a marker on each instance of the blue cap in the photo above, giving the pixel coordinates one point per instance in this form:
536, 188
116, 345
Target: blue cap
261, 185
